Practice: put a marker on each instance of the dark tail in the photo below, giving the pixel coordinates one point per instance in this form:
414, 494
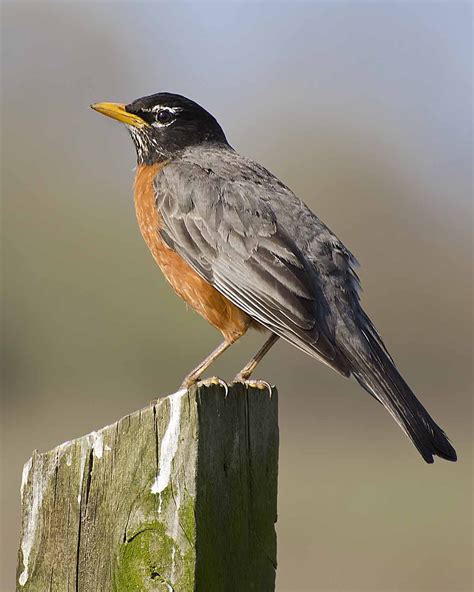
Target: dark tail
375, 371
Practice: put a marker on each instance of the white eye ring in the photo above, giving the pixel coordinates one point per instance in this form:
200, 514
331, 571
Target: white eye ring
169, 115
164, 117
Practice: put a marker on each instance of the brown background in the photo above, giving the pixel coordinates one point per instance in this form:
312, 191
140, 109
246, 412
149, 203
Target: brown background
364, 110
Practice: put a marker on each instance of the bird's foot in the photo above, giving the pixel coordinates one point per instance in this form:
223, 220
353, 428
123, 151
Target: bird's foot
242, 377
215, 380
191, 380
259, 384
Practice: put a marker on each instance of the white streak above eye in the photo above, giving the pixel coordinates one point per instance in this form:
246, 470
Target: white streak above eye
172, 110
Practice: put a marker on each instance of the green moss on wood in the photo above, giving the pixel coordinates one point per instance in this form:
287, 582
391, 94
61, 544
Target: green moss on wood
145, 561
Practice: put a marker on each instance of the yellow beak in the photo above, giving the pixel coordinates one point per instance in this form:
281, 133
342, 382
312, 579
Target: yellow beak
117, 111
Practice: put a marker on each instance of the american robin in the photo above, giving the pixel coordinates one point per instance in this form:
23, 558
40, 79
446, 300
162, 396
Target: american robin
243, 251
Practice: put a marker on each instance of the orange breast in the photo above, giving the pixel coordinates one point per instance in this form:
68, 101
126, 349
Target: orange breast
195, 291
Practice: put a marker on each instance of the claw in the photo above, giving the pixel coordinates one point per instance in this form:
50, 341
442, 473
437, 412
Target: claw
263, 384
259, 384
215, 380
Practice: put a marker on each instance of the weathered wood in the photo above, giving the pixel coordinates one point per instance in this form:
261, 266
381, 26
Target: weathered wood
178, 496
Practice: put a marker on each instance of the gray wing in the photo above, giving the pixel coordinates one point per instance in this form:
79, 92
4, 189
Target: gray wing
221, 223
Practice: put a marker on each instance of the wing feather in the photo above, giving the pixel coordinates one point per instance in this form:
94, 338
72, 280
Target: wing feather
230, 236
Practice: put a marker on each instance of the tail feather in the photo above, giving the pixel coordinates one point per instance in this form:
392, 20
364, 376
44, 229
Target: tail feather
376, 372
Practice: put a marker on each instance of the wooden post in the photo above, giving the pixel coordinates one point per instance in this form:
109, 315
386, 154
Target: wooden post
179, 496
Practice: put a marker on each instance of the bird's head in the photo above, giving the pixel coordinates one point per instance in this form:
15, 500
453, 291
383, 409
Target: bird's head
162, 125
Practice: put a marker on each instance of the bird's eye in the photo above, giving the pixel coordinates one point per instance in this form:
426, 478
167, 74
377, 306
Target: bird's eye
164, 116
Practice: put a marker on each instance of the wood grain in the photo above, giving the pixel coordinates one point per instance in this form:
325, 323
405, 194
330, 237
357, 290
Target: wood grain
178, 496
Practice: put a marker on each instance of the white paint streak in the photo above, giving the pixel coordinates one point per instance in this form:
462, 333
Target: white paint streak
24, 476
39, 484
97, 444
169, 444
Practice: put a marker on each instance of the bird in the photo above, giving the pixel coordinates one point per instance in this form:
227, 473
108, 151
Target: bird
242, 250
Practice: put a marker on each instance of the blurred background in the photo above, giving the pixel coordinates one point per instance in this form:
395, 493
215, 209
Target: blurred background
364, 110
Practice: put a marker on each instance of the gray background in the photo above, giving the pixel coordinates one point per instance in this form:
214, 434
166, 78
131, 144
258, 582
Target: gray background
364, 110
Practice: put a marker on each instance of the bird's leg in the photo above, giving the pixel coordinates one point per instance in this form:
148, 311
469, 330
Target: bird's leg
247, 370
195, 374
